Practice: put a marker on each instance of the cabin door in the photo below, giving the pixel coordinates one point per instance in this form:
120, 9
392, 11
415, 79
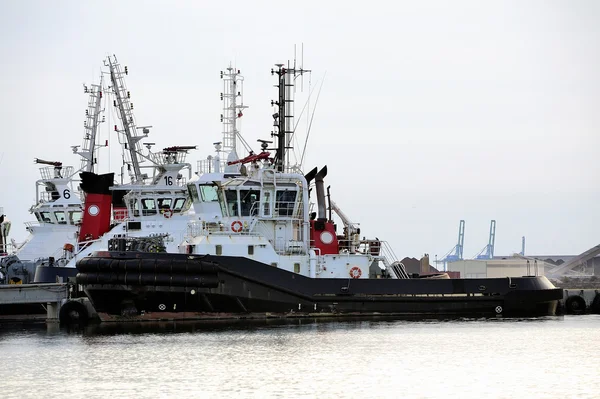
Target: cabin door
280, 236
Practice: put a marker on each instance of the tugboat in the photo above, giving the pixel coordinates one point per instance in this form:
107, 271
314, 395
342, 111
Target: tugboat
58, 212
152, 212
57, 209
258, 250
154, 202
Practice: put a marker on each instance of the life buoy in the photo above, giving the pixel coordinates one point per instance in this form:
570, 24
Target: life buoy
68, 247
167, 213
237, 226
355, 272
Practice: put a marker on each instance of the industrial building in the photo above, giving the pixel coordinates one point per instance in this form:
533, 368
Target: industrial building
513, 266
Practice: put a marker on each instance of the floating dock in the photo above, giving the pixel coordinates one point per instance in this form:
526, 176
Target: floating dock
48, 302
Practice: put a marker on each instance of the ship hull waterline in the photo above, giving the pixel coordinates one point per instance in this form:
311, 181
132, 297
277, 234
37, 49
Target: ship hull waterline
142, 286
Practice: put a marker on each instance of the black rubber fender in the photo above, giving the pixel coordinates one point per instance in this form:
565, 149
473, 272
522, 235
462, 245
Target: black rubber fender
595, 308
73, 313
575, 304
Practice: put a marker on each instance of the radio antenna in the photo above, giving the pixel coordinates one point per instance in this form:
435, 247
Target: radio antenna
311, 121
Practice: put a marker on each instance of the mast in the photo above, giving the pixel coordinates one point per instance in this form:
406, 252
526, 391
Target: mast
125, 107
92, 114
232, 89
284, 118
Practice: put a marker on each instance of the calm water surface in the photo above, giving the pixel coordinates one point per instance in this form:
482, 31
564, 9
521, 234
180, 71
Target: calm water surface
496, 358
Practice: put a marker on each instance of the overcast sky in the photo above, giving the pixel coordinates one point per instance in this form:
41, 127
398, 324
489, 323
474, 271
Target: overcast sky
430, 112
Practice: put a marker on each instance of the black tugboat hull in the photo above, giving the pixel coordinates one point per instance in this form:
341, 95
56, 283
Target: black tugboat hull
177, 286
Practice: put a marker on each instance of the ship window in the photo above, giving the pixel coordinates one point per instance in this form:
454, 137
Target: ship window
148, 206
250, 202
232, 202
193, 192
267, 204
133, 204
250, 249
222, 202
179, 203
60, 217
285, 201
75, 217
208, 193
219, 249
296, 267
38, 217
46, 217
164, 203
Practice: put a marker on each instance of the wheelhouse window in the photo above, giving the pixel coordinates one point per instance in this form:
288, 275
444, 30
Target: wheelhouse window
267, 204
250, 202
208, 193
222, 202
134, 207
193, 192
46, 217
60, 217
284, 202
75, 217
148, 206
231, 197
164, 203
179, 204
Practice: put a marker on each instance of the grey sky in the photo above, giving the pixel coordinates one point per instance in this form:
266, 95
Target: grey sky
431, 112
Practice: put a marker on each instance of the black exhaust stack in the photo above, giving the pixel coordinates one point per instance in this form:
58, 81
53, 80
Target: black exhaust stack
311, 175
322, 215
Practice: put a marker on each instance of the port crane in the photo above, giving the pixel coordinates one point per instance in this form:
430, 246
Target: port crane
522, 253
488, 251
456, 253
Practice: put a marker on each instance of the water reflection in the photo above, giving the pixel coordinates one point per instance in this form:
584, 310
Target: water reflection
353, 358
214, 326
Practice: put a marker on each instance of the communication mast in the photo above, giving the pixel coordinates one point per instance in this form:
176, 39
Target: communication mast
233, 86
91, 123
284, 118
133, 151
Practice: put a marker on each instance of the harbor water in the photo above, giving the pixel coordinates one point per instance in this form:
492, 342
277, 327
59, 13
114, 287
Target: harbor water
554, 357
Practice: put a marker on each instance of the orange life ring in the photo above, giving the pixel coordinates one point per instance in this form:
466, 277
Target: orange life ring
68, 247
167, 213
237, 226
355, 272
